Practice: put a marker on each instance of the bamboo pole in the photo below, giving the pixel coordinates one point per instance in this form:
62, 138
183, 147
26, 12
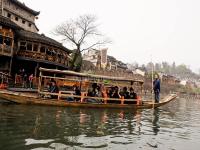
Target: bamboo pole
152, 84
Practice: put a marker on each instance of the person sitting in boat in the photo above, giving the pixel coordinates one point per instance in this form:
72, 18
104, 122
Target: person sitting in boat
95, 91
111, 92
133, 96
99, 91
116, 93
125, 93
92, 92
77, 92
49, 84
54, 89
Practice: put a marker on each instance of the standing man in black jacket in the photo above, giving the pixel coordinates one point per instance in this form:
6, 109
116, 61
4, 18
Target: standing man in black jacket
156, 88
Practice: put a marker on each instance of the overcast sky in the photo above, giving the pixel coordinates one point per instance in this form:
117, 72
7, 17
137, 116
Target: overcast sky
166, 30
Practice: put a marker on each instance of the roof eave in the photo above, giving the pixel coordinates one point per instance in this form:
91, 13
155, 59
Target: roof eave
23, 35
35, 13
7, 22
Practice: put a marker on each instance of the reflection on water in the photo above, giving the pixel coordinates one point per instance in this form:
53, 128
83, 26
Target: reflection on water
174, 126
155, 121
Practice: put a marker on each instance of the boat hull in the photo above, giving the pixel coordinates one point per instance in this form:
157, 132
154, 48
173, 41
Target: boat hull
27, 99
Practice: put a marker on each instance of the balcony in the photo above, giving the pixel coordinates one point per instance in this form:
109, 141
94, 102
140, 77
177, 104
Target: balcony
42, 57
5, 50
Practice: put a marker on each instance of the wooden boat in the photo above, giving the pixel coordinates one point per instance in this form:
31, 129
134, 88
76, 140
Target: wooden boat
25, 98
101, 102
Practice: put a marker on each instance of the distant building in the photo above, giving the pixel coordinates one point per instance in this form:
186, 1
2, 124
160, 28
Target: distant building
94, 56
198, 84
139, 71
183, 82
169, 79
191, 84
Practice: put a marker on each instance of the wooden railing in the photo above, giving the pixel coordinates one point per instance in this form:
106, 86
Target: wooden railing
84, 97
42, 56
5, 50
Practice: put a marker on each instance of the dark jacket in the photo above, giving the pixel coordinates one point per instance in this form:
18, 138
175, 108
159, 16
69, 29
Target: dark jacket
133, 95
156, 85
54, 89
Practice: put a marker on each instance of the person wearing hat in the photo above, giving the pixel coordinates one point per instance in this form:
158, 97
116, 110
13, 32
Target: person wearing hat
156, 88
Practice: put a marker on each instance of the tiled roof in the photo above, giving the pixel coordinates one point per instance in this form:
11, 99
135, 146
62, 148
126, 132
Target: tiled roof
23, 6
22, 34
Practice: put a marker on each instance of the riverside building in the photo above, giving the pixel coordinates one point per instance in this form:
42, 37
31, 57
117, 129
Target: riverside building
22, 47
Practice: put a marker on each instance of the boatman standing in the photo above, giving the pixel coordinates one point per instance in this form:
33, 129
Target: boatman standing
156, 88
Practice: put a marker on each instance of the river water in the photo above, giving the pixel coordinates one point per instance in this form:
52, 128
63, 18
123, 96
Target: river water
175, 126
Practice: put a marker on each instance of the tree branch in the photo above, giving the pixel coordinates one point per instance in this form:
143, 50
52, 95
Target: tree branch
98, 43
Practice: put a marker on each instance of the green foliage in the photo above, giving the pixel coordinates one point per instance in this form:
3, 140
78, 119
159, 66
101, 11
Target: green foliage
196, 90
76, 62
149, 75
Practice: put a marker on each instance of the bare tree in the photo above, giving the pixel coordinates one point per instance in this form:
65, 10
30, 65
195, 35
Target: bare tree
83, 34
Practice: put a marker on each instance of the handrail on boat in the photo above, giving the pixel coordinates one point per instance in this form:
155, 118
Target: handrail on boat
84, 96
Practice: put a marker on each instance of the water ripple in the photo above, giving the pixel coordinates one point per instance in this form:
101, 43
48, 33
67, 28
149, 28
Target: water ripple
174, 126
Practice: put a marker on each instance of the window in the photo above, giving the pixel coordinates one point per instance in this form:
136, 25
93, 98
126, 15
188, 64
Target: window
16, 18
9, 15
48, 52
53, 52
29, 24
23, 21
35, 47
29, 46
42, 49
8, 41
22, 45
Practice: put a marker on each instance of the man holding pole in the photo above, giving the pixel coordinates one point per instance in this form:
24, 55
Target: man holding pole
156, 88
